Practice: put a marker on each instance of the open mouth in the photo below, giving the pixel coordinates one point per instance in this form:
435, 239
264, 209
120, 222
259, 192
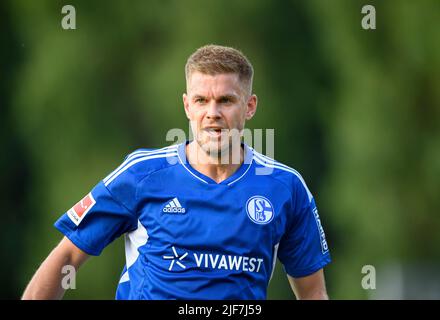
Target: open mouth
214, 132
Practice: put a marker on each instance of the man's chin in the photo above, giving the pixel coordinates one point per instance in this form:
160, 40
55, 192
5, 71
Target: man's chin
215, 149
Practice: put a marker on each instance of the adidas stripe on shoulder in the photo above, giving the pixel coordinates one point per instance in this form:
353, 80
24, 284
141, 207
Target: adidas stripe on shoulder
139, 156
271, 163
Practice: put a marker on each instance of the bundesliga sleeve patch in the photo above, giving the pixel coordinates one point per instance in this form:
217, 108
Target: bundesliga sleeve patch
79, 210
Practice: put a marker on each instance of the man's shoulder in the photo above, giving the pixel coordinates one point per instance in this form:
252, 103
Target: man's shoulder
142, 162
267, 166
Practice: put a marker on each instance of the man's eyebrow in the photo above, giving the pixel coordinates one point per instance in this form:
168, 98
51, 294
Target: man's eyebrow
230, 96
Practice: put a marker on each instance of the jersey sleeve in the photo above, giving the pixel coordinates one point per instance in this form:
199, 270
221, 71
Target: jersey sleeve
303, 249
96, 220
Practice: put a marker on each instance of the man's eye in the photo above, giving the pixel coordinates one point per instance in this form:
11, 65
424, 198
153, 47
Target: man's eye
200, 100
225, 100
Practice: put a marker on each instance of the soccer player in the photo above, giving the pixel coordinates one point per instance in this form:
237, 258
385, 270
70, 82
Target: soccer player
196, 227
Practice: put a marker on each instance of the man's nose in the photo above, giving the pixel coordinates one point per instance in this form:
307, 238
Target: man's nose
213, 111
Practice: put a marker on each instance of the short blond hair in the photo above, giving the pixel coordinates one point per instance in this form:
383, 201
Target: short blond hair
214, 59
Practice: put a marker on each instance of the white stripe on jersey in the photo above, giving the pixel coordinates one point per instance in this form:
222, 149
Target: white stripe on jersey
133, 241
144, 152
134, 161
183, 164
137, 154
272, 164
250, 165
274, 259
272, 161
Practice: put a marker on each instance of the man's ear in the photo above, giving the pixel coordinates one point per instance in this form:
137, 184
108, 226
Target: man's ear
186, 105
251, 106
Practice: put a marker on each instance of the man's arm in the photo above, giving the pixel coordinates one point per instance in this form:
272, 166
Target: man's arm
311, 287
46, 283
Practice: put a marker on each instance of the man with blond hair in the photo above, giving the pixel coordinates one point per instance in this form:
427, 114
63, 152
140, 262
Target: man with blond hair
203, 219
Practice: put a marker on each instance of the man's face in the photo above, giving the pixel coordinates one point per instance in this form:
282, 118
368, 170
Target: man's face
215, 105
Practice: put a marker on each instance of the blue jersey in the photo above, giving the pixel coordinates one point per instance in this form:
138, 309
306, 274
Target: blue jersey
189, 237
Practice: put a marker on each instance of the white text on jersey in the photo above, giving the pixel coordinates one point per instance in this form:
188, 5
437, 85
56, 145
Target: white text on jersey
227, 262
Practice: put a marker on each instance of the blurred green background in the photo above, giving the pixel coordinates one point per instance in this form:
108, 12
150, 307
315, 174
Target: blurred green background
356, 112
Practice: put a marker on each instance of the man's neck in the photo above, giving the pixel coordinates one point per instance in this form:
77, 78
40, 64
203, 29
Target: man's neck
216, 168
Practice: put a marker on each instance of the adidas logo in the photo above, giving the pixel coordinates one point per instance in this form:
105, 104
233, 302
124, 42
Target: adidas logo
174, 206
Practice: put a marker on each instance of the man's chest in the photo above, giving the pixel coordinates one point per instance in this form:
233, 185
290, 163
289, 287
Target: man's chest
245, 218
